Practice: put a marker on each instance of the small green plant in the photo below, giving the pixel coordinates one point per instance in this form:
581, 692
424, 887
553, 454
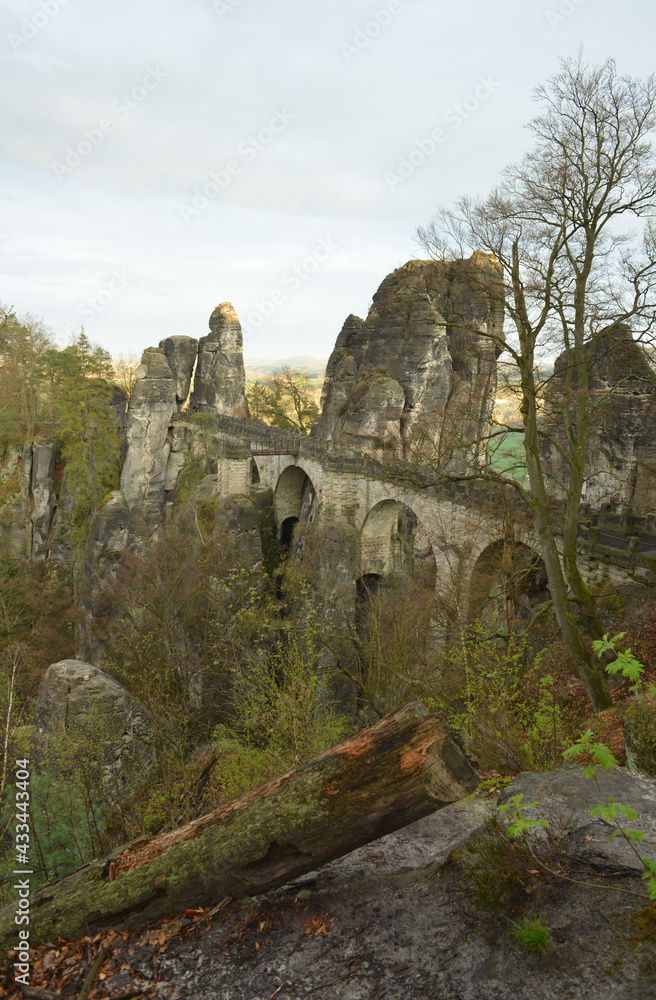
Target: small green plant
546, 727
632, 670
501, 868
519, 822
531, 932
625, 662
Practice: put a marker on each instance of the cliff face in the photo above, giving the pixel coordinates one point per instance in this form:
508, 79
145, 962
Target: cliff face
423, 361
621, 456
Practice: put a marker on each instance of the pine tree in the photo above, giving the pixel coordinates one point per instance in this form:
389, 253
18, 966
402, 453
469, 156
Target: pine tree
77, 384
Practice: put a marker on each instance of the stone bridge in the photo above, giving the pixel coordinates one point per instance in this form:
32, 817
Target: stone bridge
323, 482
422, 366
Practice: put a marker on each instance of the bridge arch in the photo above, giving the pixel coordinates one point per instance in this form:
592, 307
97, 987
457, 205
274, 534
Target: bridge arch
393, 542
508, 581
294, 500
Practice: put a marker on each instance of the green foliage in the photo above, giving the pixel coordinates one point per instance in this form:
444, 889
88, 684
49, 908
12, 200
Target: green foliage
36, 618
506, 712
598, 751
192, 472
531, 932
519, 823
230, 668
396, 645
547, 719
625, 662
610, 812
22, 342
282, 710
78, 388
71, 810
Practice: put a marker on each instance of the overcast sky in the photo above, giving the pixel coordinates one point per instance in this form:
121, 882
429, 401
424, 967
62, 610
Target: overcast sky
161, 156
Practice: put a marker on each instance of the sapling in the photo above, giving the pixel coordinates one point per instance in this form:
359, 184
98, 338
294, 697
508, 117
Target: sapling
612, 811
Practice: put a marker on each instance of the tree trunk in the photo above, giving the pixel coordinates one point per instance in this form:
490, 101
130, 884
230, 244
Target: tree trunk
384, 778
592, 680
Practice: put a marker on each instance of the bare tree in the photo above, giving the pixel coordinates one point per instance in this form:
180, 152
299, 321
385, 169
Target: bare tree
125, 367
284, 399
575, 278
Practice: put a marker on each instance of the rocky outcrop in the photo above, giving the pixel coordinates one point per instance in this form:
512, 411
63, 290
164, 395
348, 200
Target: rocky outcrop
424, 360
159, 439
39, 484
219, 380
14, 506
181, 353
621, 456
108, 533
152, 406
83, 702
639, 727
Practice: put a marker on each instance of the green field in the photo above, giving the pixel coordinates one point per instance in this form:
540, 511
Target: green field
507, 455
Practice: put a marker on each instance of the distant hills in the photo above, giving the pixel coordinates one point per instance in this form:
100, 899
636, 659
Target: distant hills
315, 367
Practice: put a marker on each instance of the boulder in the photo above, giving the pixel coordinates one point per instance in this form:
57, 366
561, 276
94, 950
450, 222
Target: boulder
78, 699
566, 794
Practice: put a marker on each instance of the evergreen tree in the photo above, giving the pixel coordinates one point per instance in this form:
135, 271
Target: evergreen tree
76, 384
22, 342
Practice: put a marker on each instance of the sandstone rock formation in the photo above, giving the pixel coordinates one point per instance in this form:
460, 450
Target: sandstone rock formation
108, 532
219, 379
79, 700
153, 403
158, 439
639, 727
621, 457
423, 360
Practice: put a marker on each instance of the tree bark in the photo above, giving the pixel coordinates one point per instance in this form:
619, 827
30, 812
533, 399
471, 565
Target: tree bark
403, 768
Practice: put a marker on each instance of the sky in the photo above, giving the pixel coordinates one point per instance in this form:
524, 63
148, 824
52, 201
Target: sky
158, 157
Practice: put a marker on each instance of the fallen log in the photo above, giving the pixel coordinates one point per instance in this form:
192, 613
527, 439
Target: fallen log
403, 768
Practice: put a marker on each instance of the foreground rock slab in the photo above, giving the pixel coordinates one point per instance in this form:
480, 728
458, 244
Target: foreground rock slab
391, 921
384, 778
